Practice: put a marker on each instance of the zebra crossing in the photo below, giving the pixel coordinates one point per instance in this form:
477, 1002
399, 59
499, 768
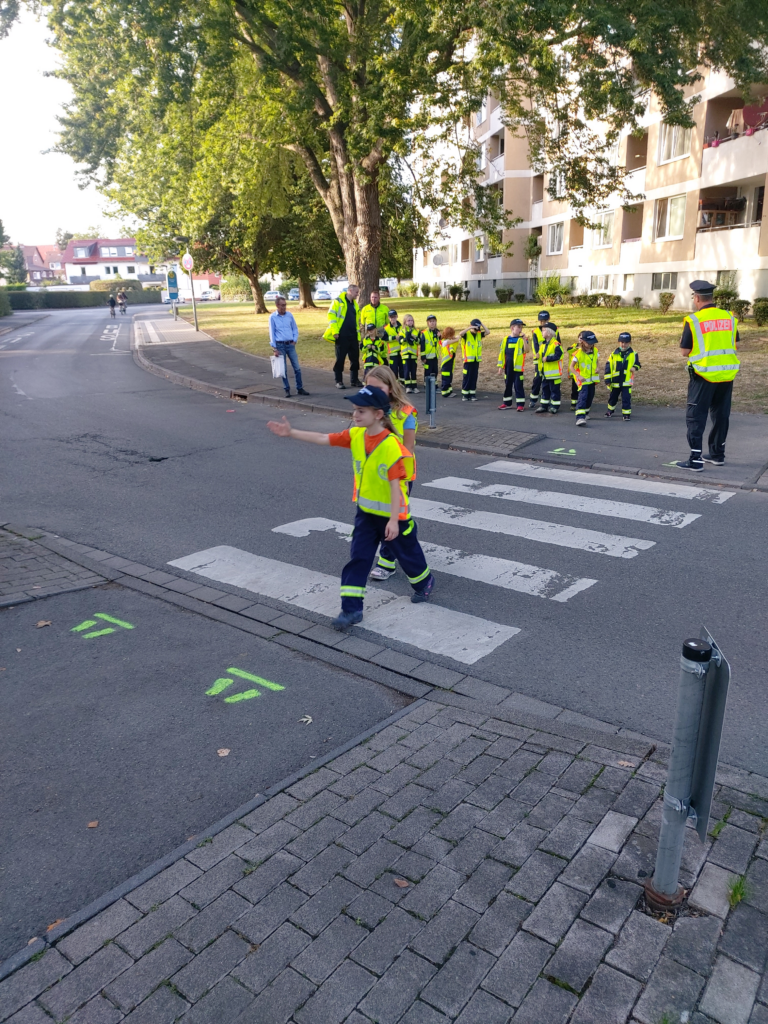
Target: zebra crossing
446, 631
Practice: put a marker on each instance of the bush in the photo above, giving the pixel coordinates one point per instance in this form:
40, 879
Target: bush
612, 301
5, 306
16, 287
455, 291
104, 285
551, 289
503, 294
725, 297
70, 300
760, 311
436, 291
665, 301
519, 296
532, 249
426, 290
740, 308
237, 288
637, 301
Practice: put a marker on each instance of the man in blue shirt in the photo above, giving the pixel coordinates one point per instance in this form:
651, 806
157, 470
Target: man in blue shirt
283, 335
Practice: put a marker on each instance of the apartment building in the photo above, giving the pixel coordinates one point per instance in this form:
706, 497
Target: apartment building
96, 259
699, 213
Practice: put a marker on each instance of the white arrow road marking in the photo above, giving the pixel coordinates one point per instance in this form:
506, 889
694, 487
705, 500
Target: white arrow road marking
574, 502
531, 529
465, 638
497, 572
617, 483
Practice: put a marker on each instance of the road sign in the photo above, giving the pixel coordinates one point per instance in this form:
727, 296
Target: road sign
172, 284
187, 262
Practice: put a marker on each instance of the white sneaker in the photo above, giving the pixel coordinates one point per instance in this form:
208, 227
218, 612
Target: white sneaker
581, 422
380, 573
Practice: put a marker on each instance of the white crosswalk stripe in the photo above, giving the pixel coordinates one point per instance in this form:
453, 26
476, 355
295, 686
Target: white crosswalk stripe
531, 529
498, 572
465, 638
616, 483
574, 502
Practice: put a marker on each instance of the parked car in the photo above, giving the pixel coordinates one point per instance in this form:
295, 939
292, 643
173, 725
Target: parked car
322, 296
210, 295
271, 295
294, 295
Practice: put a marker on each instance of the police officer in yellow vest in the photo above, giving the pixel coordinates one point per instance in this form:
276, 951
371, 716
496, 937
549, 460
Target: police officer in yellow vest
374, 313
709, 342
344, 331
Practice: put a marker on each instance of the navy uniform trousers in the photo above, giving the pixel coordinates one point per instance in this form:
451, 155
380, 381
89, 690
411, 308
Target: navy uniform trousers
713, 398
366, 537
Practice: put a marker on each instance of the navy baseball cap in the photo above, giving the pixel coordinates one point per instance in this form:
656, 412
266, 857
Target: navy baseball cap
589, 336
625, 336
431, 317
543, 315
370, 327
551, 326
517, 320
370, 396
393, 312
475, 323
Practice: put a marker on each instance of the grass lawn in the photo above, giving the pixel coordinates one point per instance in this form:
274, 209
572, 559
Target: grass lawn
663, 380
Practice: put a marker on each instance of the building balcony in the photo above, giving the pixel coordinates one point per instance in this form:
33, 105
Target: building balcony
575, 257
537, 211
494, 170
728, 249
635, 180
630, 250
734, 159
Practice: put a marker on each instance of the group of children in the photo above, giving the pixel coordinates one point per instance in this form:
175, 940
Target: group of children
398, 346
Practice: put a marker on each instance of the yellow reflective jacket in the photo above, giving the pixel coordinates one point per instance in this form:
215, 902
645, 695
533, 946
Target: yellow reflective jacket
336, 314
512, 347
584, 366
472, 346
429, 342
713, 355
372, 491
378, 315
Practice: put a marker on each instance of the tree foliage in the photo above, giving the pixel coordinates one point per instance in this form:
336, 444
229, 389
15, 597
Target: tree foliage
13, 265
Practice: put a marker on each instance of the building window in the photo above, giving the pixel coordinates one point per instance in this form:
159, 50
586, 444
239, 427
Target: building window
598, 283
108, 250
757, 204
81, 254
479, 250
670, 217
481, 113
674, 142
664, 282
725, 279
424, 258
82, 271
501, 144
465, 250
107, 270
115, 270
129, 250
130, 270
36, 275
602, 233
629, 282
555, 238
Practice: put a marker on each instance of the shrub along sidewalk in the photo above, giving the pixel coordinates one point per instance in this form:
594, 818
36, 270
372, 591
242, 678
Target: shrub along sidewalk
663, 379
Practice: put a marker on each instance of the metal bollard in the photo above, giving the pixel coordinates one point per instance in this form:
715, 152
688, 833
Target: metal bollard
664, 890
430, 382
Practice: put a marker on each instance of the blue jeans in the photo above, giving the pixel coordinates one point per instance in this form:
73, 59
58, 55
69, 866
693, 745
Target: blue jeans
288, 349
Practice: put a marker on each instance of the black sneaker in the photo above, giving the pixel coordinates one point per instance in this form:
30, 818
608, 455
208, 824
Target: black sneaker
695, 467
345, 620
301, 391
356, 383
714, 460
609, 414
287, 394
419, 596
626, 417
341, 385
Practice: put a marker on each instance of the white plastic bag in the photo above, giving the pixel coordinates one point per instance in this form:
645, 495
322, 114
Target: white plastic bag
278, 365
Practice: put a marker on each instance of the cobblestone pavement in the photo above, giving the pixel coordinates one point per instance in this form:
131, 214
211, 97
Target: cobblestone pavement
463, 864
29, 571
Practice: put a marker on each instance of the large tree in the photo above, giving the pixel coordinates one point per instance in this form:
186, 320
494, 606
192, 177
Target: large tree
348, 85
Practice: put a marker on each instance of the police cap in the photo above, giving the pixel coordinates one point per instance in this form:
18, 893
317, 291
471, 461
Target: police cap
475, 323
544, 315
702, 288
625, 336
370, 327
550, 326
392, 312
370, 396
431, 317
589, 336
517, 320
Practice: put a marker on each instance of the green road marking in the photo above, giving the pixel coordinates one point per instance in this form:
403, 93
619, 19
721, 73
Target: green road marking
115, 622
83, 625
218, 686
97, 632
254, 679
562, 451
245, 695
669, 463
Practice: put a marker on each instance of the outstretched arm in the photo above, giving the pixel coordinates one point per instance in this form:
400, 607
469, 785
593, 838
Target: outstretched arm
284, 429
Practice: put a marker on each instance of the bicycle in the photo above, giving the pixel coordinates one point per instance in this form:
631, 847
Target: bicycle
123, 306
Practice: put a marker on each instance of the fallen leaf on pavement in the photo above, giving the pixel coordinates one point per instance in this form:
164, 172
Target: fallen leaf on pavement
222, 751
18, 650
401, 883
626, 764
43, 622
52, 926
307, 720
93, 824
33, 939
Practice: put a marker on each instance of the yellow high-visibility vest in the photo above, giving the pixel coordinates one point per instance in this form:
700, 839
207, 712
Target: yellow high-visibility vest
431, 343
552, 370
372, 491
515, 347
713, 355
585, 371
377, 315
472, 346
336, 315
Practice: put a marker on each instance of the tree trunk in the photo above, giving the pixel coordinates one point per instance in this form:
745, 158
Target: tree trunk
258, 295
305, 293
361, 242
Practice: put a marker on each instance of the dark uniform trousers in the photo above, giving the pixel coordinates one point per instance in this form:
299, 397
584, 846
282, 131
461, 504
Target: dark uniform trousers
396, 365
625, 390
368, 533
513, 382
347, 348
430, 366
574, 393
585, 400
713, 397
446, 375
550, 393
469, 379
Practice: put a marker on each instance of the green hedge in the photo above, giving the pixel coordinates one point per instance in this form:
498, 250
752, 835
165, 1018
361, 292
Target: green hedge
5, 306
70, 300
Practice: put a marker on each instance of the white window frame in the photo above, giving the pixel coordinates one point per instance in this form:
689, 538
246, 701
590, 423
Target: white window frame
666, 236
629, 282
129, 250
596, 286
552, 233
679, 138
107, 270
81, 253
671, 284
55, 266
480, 250
606, 220
482, 113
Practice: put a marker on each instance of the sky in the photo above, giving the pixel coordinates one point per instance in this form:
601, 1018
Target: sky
38, 190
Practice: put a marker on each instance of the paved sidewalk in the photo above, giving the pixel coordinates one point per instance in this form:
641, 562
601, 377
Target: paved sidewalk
463, 864
654, 438
29, 571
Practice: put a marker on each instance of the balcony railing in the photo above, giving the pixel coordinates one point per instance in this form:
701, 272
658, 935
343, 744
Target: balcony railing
536, 210
726, 227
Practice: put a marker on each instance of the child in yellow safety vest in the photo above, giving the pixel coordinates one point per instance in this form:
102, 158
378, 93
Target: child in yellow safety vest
511, 363
394, 335
586, 374
382, 468
448, 345
373, 347
405, 421
429, 343
409, 350
552, 369
620, 374
537, 348
471, 353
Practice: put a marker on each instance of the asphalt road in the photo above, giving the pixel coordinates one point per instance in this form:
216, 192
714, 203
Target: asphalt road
82, 426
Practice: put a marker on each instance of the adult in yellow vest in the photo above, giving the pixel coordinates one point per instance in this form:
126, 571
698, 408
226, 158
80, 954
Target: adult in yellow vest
709, 343
374, 313
586, 374
344, 331
382, 467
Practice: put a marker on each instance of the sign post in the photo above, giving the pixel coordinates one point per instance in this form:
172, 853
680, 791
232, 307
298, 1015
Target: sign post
188, 263
431, 394
172, 286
